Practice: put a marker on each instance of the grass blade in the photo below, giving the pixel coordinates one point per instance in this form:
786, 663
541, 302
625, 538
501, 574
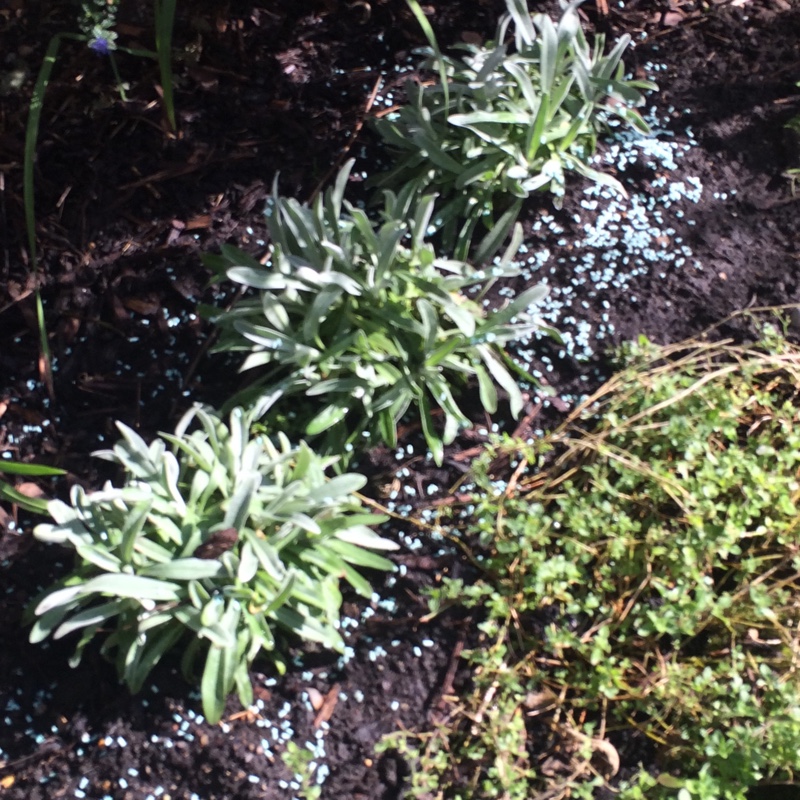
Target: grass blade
164, 21
31, 136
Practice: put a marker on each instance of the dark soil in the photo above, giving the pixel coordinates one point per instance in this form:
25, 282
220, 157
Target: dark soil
124, 211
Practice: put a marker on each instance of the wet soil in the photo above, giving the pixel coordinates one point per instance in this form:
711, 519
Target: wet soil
125, 208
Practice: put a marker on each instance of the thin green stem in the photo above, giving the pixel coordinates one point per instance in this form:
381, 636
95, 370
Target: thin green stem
31, 137
164, 12
416, 9
118, 78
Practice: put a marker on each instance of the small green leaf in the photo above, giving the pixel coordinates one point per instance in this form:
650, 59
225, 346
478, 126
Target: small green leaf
120, 585
134, 523
212, 690
488, 393
239, 506
362, 536
353, 554
329, 416
432, 439
268, 557
98, 555
501, 375
15, 468
337, 488
430, 323
387, 427
283, 594
248, 563
442, 352
33, 504
49, 621
150, 654
493, 240
183, 569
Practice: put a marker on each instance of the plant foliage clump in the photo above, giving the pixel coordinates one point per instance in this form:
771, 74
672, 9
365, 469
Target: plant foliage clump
217, 536
504, 120
355, 325
646, 581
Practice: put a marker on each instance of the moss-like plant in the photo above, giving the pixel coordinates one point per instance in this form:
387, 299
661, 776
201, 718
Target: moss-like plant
642, 574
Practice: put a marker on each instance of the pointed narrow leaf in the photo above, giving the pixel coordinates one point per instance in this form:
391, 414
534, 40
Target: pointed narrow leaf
183, 569
519, 305
488, 393
353, 554
120, 584
238, 509
548, 50
15, 468
98, 555
212, 692
430, 323
518, 9
339, 487
432, 439
47, 622
501, 375
35, 505
283, 593
362, 536
326, 298
89, 616
493, 240
147, 657
339, 186
329, 416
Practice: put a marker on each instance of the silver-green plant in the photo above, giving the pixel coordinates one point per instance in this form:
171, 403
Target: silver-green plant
217, 538
504, 120
353, 325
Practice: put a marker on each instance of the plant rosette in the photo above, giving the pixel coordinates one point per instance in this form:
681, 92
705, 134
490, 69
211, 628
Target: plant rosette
364, 323
218, 536
502, 121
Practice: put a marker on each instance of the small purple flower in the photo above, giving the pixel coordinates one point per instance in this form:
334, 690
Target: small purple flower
100, 45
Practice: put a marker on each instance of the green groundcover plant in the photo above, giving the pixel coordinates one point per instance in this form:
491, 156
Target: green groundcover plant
503, 120
218, 539
641, 585
352, 325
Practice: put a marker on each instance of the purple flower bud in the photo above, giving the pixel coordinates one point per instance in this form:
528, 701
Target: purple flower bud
100, 46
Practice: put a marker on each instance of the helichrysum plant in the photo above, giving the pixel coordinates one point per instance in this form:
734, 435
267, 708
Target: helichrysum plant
352, 325
218, 539
506, 119
641, 583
